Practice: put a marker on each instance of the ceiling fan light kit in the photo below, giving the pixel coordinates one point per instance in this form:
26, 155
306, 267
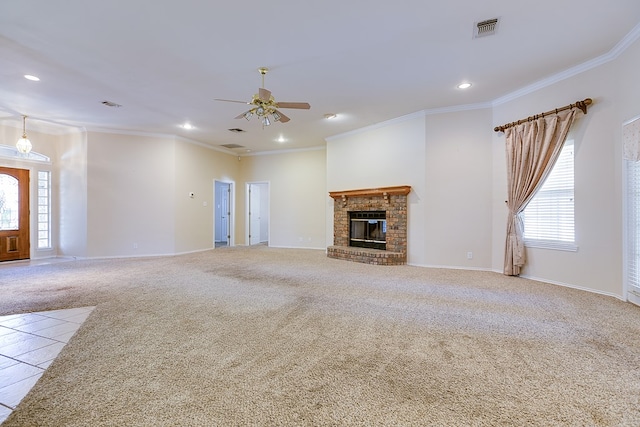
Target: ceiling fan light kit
265, 106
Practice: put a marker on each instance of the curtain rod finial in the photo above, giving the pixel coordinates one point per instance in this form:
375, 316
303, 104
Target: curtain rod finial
582, 105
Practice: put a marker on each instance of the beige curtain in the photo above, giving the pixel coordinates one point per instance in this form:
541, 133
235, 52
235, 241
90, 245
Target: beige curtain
532, 149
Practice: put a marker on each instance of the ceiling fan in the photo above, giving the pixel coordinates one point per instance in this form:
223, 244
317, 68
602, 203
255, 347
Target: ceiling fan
265, 106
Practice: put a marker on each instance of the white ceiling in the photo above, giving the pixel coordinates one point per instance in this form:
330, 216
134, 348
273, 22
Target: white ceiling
366, 60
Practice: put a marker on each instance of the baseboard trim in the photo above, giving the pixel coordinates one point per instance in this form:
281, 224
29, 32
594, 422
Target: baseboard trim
580, 288
449, 267
537, 279
145, 255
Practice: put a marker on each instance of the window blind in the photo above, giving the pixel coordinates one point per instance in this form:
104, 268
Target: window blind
44, 210
549, 216
633, 225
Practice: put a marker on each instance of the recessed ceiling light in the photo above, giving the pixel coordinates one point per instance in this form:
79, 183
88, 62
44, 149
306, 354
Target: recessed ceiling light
32, 78
464, 85
187, 126
330, 116
281, 139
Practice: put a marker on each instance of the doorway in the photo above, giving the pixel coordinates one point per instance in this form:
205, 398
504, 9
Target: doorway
258, 213
14, 214
222, 213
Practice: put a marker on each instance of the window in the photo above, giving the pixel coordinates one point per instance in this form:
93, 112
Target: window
9, 202
549, 216
633, 225
11, 152
44, 210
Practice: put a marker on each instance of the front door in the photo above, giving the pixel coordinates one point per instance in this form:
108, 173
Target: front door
14, 214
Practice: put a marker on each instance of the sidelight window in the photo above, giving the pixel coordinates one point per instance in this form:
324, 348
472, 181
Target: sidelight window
44, 210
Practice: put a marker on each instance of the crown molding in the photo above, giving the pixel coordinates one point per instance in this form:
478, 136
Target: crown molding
631, 37
285, 151
130, 132
411, 116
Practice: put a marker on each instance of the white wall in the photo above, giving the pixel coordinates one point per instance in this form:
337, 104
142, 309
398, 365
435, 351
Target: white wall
458, 184
71, 185
139, 194
130, 191
297, 188
196, 170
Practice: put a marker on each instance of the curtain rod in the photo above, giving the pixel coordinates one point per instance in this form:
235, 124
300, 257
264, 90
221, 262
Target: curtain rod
579, 104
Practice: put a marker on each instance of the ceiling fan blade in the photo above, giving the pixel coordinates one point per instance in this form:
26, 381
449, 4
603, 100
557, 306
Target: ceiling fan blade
264, 94
231, 100
298, 105
283, 118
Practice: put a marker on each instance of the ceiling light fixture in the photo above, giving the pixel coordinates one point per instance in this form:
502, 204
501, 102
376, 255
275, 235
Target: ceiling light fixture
24, 145
187, 126
32, 78
464, 85
330, 116
267, 114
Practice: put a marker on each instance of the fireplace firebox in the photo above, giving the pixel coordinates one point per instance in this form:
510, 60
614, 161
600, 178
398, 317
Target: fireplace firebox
368, 229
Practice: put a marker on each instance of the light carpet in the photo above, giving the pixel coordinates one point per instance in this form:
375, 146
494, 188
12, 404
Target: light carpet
261, 336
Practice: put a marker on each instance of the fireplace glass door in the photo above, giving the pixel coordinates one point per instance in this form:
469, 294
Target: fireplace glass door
368, 229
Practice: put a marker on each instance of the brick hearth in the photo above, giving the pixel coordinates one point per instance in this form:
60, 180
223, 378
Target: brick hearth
392, 200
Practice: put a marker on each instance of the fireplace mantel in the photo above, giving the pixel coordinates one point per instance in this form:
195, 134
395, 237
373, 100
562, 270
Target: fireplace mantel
365, 192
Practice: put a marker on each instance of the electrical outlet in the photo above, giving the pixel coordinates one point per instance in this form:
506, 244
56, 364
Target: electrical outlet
469, 255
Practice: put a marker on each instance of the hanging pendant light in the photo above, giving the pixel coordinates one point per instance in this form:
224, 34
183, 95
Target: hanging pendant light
24, 145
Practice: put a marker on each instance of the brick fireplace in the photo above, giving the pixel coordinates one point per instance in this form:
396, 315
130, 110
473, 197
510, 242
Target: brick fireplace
390, 200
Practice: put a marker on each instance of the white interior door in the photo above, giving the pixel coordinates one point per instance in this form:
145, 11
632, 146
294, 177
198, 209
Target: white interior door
225, 211
254, 214
222, 213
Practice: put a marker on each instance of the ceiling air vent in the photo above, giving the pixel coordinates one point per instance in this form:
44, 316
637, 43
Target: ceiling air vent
111, 104
232, 146
485, 28
236, 130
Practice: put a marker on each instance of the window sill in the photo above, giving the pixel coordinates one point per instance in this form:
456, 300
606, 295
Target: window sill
549, 244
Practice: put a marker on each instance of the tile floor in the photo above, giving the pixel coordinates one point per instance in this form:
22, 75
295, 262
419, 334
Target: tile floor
28, 344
